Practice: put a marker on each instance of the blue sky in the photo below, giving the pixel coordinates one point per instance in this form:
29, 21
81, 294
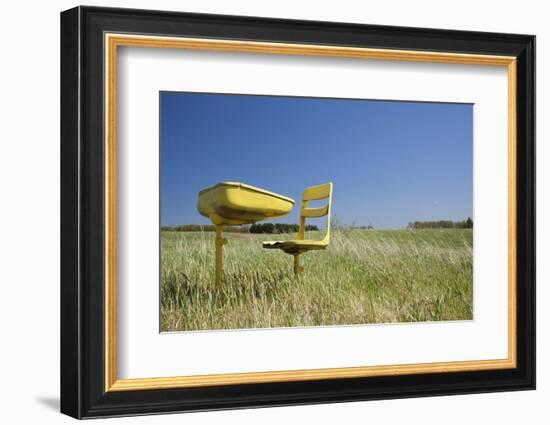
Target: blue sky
390, 162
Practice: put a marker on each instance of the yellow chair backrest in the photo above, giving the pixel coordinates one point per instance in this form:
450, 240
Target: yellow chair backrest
315, 193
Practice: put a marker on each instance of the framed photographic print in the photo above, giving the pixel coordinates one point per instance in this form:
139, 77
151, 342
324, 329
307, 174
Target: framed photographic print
261, 212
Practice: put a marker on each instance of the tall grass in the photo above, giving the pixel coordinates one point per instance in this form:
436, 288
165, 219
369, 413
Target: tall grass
364, 276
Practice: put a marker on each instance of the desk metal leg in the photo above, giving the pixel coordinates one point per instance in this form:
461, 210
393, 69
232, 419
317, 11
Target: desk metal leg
220, 242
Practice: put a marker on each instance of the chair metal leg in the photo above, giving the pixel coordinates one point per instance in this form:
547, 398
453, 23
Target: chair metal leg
297, 267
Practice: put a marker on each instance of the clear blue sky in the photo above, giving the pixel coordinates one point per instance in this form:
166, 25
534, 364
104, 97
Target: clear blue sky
390, 162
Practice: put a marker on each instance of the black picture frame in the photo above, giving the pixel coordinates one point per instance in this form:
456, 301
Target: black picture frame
83, 392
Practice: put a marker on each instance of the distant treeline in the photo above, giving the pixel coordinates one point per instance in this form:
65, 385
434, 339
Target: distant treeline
204, 228
255, 228
442, 224
278, 228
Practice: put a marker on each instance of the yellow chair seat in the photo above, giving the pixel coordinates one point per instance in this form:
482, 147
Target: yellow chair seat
300, 245
296, 246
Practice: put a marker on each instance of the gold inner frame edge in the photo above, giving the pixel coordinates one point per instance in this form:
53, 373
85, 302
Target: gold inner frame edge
112, 41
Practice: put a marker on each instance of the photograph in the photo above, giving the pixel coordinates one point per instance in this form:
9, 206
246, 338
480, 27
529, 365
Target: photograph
286, 211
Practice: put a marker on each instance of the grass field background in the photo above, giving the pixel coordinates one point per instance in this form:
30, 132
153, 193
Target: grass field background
364, 276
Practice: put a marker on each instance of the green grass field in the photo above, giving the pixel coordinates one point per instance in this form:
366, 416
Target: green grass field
364, 276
